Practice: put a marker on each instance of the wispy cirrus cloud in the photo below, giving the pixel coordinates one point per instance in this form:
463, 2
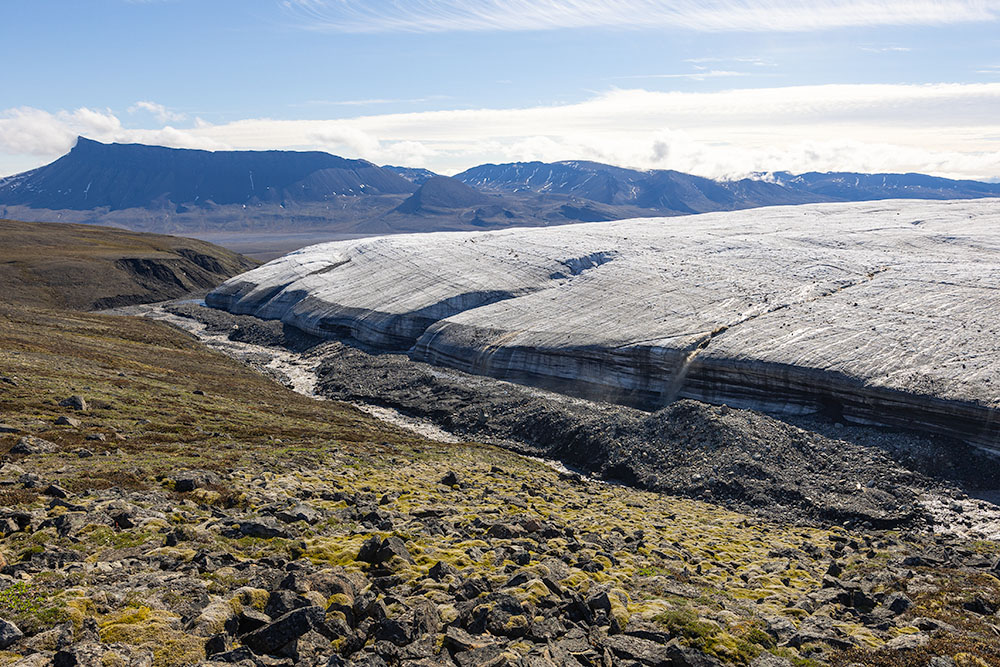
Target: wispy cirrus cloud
742, 60
700, 75
367, 16
886, 49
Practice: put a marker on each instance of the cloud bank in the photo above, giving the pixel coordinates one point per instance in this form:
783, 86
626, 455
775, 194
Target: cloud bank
943, 129
367, 16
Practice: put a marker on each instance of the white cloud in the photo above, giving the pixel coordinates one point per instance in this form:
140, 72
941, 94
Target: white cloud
160, 112
25, 130
700, 15
943, 129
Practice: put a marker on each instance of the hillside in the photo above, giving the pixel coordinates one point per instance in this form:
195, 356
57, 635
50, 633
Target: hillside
88, 267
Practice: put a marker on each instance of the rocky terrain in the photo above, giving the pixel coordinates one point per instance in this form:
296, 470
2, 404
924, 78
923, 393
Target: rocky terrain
231, 521
867, 313
165, 500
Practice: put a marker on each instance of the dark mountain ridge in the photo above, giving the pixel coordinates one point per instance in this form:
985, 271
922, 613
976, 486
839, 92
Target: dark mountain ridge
121, 176
685, 193
283, 193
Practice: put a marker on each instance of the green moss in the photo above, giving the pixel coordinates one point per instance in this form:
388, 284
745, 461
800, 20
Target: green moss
154, 630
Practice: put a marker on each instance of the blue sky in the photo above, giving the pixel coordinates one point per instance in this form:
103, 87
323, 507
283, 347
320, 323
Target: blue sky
718, 87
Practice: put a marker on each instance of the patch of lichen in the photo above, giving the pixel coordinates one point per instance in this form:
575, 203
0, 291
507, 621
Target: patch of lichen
156, 630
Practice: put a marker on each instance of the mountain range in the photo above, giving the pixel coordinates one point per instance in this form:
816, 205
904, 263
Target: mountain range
169, 190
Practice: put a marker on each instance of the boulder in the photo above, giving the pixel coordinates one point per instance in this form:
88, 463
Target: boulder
639, 650
189, 480
376, 550
9, 633
30, 444
275, 636
75, 402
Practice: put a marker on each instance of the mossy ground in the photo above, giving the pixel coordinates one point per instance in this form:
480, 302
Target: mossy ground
162, 403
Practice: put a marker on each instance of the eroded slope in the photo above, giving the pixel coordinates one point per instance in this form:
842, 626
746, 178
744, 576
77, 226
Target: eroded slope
85, 267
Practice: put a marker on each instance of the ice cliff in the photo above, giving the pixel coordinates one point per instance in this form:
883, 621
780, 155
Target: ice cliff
883, 312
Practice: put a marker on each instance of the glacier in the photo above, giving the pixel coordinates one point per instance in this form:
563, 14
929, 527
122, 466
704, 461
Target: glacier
876, 312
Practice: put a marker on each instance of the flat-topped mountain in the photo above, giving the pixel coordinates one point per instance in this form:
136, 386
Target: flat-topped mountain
121, 176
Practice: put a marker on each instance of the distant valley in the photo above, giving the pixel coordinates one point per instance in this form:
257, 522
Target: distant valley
269, 202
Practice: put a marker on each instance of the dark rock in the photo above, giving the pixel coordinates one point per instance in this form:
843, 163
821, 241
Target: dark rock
897, 603
68, 421
451, 479
639, 650
368, 660
503, 531
265, 528
282, 602
600, 602
217, 644
189, 480
501, 615
74, 402
9, 633
56, 491
376, 551
932, 625
300, 512
29, 444
241, 654
471, 589
395, 630
249, 620
7, 428
683, 656
459, 640
484, 656
275, 636
333, 581
440, 570
979, 605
